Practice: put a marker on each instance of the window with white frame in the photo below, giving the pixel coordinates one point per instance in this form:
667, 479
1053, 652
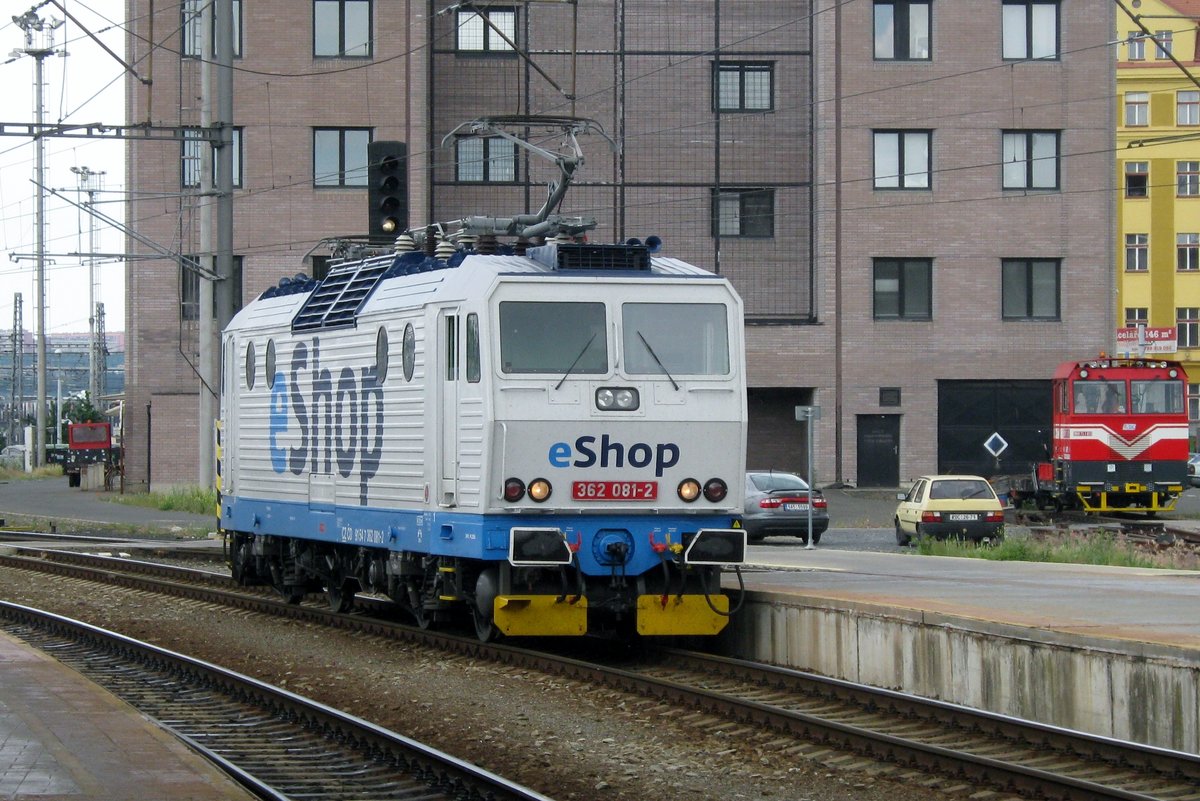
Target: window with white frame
1136, 315
902, 30
1187, 249
903, 289
1187, 107
746, 213
902, 159
1187, 326
1187, 178
340, 156
1030, 29
1137, 178
481, 32
1137, 108
1030, 289
190, 161
1137, 252
1030, 159
1193, 391
342, 28
191, 11
479, 159
743, 86
1135, 46
1163, 44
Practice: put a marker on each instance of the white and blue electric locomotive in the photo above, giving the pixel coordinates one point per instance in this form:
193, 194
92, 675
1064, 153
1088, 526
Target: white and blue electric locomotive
552, 443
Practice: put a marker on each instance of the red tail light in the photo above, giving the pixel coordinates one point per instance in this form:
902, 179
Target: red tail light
769, 503
995, 517
820, 503
931, 517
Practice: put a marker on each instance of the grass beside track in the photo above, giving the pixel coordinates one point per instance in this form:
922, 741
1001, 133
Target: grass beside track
1092, 548
195, 500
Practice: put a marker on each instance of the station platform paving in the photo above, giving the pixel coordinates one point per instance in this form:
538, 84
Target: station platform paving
64, 738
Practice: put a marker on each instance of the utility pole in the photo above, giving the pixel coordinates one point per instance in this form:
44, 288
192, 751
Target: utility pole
90, 181
39, 43
18, 370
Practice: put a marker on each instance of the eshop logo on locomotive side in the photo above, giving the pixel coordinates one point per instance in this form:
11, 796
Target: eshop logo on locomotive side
614, 454
334, 423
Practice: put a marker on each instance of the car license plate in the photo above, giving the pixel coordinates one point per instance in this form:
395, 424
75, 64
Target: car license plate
614, 490
962, 518
796, 507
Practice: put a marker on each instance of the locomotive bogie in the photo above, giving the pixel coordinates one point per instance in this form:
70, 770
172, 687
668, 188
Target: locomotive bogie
499, 440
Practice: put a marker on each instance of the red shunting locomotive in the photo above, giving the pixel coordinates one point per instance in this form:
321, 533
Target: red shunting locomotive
1120, 438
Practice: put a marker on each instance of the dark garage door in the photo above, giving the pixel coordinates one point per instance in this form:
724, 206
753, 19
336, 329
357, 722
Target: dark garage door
971, 411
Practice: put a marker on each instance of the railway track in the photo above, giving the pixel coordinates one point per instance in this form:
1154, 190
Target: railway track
278, 744
904, 734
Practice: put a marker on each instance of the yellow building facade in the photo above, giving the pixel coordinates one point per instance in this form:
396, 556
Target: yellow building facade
1158, 176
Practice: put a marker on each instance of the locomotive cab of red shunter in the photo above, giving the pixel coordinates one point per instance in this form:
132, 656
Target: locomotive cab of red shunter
1120, 440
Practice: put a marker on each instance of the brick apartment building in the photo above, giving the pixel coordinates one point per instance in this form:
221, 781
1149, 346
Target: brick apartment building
902, 191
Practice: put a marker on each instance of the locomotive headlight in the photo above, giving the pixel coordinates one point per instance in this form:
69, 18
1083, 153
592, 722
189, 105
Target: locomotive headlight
1083, 373
1173, 373
539, 490
617, 399
689, 490
715, 490
514, 490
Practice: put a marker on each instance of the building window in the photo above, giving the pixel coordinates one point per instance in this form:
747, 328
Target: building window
1136, 315
342, 28
1135, 46
889, 396
191, 11
1137, 108
1193, 391
340, 156
744, 213
1187, 326
1030, 29
1163, 44
485, 160
1137, 252
1187, 108
477, 36
902, 30
902, 159
903, 289
1187, 248
192, 150
189, 286
1031, 159
1187, 174
1137, 178
1030, 289
744, 87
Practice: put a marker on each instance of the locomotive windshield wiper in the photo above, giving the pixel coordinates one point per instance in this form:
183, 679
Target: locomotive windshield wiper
657, 360
571, 369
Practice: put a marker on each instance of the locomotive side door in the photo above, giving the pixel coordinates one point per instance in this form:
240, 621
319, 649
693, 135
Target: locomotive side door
449, 348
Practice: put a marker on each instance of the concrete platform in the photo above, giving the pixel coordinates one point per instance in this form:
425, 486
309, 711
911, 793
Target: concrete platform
63, 737
1111, 651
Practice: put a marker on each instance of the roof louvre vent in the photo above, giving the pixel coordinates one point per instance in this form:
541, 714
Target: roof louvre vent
583, 256
335, 303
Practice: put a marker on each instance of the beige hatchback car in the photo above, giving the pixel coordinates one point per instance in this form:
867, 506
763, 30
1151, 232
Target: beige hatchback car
964, 507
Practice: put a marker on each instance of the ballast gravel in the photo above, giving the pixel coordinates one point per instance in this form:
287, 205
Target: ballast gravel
566, 739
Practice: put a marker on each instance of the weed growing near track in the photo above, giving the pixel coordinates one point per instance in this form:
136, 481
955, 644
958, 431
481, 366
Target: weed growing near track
184, 499
1090, 548
49, 471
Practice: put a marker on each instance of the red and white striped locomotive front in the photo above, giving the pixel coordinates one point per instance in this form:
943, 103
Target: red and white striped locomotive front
1120, 422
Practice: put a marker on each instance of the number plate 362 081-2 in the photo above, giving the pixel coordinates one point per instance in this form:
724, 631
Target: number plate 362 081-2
614, 490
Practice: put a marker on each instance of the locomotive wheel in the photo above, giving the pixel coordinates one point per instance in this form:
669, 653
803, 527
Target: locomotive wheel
486, 587
484, 629
238, 566
292, 593
341, 594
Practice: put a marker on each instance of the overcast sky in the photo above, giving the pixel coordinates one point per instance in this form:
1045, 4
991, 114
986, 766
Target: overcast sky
85, 86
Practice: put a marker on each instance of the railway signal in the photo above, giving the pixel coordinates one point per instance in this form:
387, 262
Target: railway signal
387, 192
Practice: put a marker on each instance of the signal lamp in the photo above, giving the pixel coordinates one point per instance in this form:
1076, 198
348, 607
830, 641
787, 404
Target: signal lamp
514, 490
715, 490
689, 490
539, 490
387, 188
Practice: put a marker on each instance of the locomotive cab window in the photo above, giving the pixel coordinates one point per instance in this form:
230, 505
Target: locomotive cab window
675, 339
1157, 397
1100, 397
555, 338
